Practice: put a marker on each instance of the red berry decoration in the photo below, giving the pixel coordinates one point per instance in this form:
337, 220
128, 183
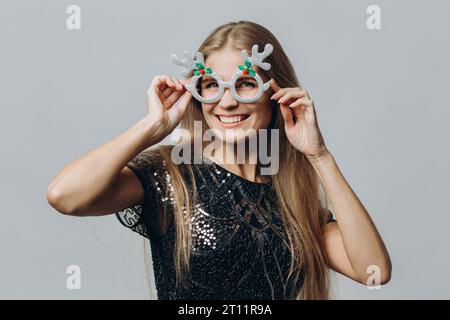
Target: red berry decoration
247, 68
201, 69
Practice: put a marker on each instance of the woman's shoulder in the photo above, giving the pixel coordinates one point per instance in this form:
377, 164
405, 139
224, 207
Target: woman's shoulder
145, 161
152, 155
160, 170
153, 160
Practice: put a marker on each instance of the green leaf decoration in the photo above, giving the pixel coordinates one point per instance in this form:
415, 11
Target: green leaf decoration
196, 72
248, 63
199, 65
208, 70
252, 72
241, 67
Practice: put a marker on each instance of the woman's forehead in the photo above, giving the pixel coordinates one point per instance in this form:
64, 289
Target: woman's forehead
225, 63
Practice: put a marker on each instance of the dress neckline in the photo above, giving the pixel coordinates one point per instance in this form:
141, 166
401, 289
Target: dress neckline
219, 167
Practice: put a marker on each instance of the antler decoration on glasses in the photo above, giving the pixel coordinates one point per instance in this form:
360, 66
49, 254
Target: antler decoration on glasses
256, 58
190, 64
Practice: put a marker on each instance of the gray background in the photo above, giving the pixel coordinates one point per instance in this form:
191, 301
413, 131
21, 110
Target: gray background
381, 99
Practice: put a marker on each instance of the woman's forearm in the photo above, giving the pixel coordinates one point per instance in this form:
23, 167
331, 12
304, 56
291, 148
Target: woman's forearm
83, 180
363, 244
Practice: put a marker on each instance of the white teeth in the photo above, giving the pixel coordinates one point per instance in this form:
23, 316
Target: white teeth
231, 119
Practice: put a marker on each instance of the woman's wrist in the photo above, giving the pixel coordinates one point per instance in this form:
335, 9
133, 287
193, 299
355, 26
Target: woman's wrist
154, 130
321, 158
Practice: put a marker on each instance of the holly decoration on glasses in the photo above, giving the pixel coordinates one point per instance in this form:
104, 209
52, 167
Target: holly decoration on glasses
201, 69
247, 68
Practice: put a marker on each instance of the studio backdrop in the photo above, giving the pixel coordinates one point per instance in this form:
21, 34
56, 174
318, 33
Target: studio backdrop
74, 75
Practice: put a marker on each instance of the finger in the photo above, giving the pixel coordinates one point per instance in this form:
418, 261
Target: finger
171, 87
312, 108
161, 86
167, 92
301, 102
311, 105
292, 94
305, 111
274, 85
288, 116
170, 82
278, 92
299, 113
180, 84
284, 91
154, 91
172, 99
180, 107
158, 81
177, 84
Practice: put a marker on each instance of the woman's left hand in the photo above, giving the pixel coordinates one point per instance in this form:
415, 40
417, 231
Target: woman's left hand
300, 121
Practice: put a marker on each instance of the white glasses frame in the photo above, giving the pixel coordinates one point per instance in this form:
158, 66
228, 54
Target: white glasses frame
230, 85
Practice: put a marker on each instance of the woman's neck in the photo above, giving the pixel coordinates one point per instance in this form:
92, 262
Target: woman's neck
244, 164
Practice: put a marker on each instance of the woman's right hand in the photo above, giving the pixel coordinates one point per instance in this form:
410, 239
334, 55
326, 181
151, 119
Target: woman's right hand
167, 100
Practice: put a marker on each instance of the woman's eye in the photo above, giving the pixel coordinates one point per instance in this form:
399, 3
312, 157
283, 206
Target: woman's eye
210, 85
248, 84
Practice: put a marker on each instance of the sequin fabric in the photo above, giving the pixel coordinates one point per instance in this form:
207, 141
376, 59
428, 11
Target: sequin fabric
238, 249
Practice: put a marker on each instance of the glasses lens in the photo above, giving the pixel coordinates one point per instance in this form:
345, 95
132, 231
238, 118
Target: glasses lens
207, 87
246, 87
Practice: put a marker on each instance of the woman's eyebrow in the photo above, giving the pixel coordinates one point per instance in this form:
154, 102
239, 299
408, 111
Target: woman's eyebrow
240, 79
245, 78
209, 79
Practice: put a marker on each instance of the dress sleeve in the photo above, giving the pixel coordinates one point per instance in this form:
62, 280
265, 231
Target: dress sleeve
144, 216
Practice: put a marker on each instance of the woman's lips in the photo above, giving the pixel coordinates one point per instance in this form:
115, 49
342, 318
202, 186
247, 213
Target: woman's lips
228, 121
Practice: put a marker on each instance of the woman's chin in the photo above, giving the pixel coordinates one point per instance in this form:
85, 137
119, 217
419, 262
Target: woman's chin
234, 136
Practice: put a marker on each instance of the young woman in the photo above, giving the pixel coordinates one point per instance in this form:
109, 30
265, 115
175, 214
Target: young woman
221, 229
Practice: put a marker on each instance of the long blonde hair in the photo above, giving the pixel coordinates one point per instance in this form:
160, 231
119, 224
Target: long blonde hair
298, 189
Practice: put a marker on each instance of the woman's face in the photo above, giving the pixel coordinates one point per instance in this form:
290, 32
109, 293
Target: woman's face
228, 114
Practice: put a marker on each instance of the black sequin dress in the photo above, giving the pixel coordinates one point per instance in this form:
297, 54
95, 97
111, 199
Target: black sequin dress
238, 249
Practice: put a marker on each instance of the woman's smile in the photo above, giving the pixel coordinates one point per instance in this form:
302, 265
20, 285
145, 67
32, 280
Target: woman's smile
231, 121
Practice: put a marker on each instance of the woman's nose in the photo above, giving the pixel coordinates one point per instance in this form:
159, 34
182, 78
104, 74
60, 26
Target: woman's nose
227, 100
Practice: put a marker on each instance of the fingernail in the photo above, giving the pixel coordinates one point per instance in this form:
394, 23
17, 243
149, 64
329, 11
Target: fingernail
272, 96
281, 100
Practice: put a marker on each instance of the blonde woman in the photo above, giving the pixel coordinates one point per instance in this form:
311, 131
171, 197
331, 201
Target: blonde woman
221, 229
